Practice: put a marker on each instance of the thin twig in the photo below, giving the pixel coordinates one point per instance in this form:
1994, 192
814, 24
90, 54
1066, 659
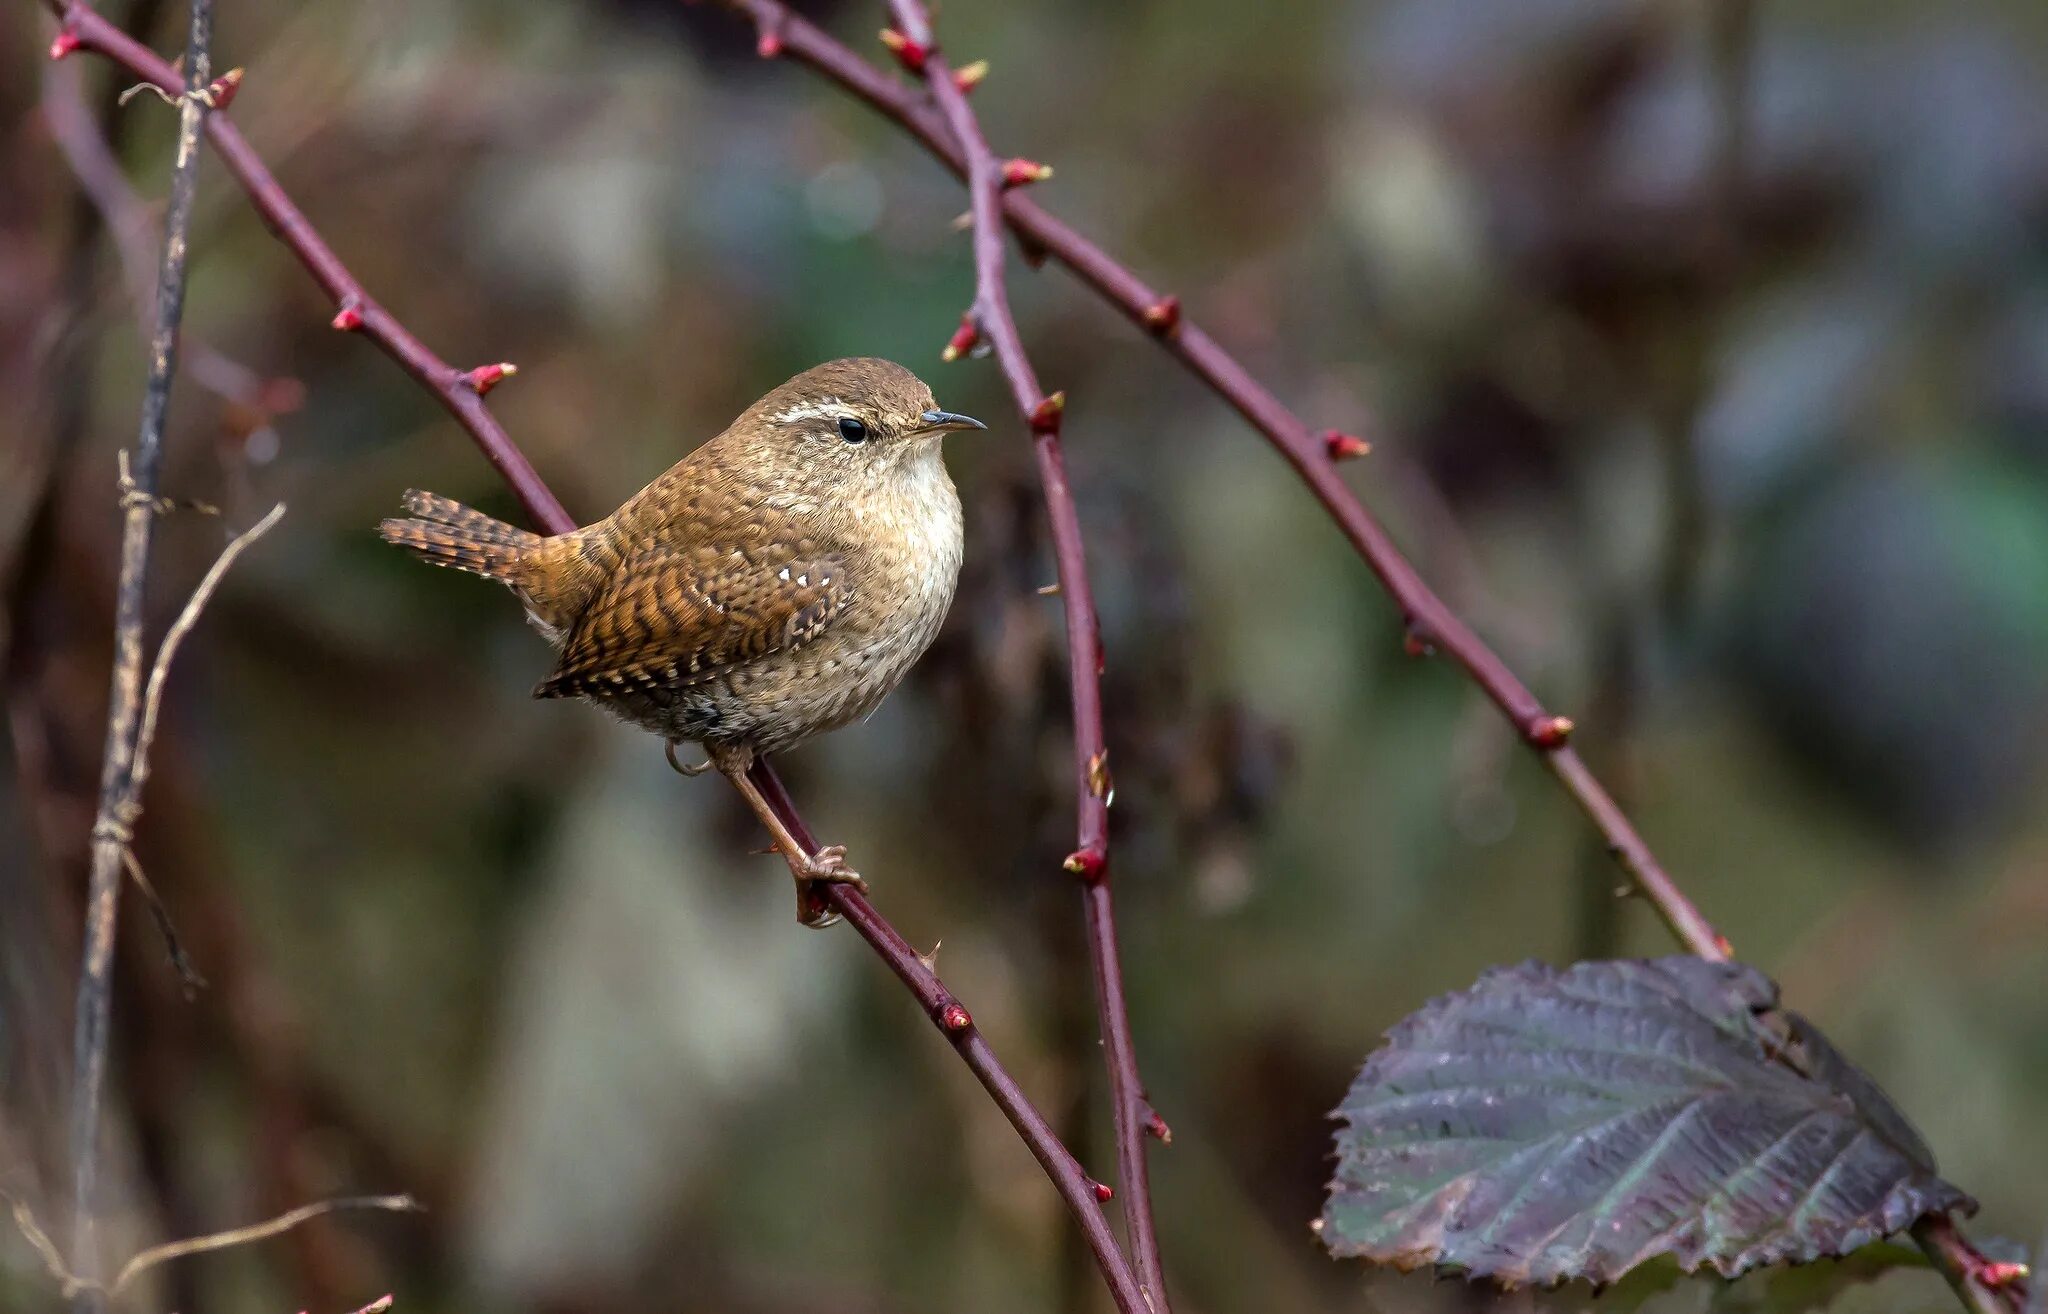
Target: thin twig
83, 28
174, 944
40, 1242
1432, 626
152, 702
153, 696
72, 1285
991, 318
285, 1222
120, 784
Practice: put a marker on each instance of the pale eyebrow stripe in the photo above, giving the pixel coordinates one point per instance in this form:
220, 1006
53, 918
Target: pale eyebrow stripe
831, 408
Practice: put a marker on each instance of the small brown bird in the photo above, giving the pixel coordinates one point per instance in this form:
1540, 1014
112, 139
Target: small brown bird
774, 584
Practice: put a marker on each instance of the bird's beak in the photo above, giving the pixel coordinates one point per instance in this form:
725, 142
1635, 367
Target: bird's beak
946, 421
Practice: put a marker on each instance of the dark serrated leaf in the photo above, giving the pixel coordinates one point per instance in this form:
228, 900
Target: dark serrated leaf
1550, 1124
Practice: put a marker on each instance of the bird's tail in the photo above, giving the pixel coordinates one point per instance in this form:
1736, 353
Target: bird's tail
444, 532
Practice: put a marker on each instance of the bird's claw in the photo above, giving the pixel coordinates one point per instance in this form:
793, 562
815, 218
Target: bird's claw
668, 750
825, 867
829, 865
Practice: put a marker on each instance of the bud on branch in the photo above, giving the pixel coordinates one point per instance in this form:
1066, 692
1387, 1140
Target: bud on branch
1045, 417
486, 377
963, 340
910, 54
1088, 864
1021, 172
1340, 446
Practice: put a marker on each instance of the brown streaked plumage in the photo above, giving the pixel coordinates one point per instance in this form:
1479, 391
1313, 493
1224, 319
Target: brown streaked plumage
774, 584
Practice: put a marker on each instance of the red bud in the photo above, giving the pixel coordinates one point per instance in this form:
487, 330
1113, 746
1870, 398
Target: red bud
1102, 1191
770, 44
349, 318
963, 340
969, 77
1340, 446
221, 91
2001, 1273
486, 377
1021, 172
1088, 864
1551, 731
1721, 942
1415, 645
1045, 417
66, 41
910, 54
1163, 315
955, 1018
1155, 1126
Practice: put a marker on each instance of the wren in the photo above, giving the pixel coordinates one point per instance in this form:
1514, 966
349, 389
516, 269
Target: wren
774, 584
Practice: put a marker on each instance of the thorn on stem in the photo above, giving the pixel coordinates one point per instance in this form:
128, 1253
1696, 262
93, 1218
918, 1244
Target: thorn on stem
65, 42
911, 54
953, 1017
350, 317
963, 340
1341, 446
486, 377
931, 960
1163, 316
1021, 172
968, 77
1051, 590
1088, 864
1045, 417
1550, 731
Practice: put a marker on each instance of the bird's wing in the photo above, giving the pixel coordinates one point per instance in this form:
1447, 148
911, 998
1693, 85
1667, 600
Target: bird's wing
672, 616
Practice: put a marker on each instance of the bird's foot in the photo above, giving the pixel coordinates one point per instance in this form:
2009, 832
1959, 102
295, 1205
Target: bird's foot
668, 750
813, 871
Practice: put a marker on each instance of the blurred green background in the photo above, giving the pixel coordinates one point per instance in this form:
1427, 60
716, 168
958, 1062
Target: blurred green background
1705, 351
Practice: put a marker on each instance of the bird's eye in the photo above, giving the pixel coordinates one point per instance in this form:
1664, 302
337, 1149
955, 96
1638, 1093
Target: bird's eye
853, 430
